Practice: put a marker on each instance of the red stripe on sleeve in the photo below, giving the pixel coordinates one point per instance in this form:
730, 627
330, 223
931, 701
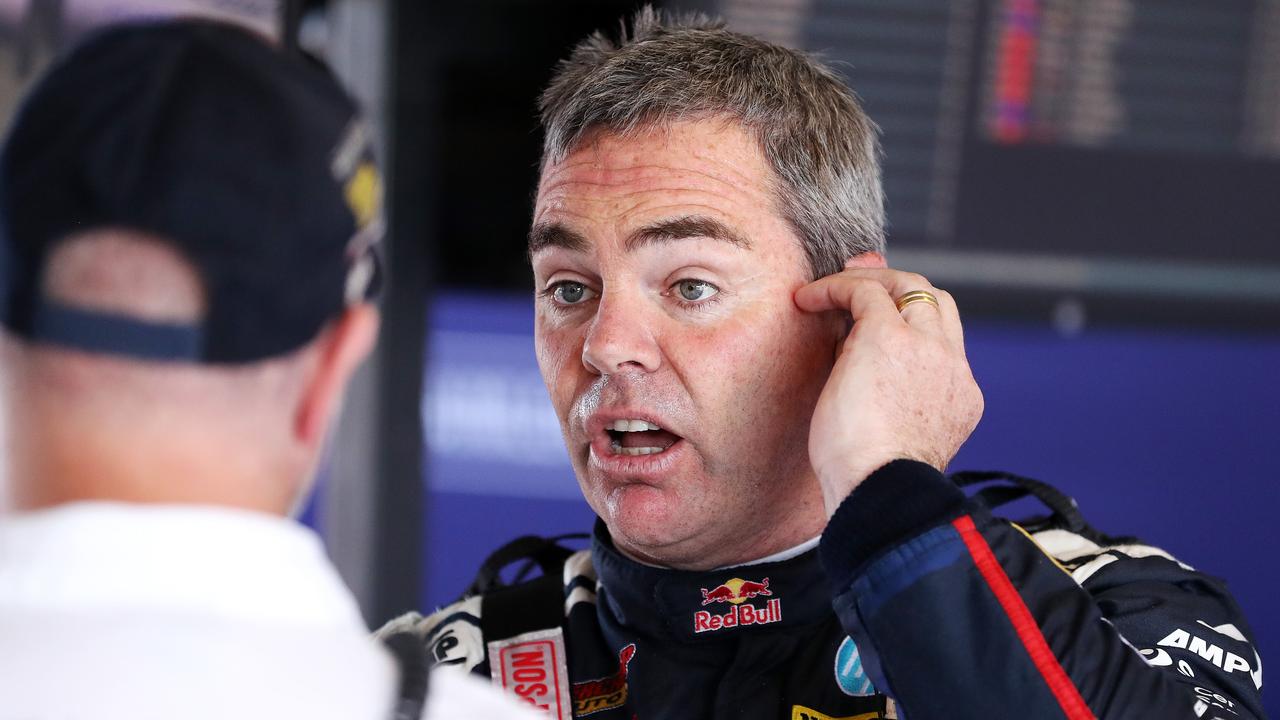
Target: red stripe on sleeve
1069, 699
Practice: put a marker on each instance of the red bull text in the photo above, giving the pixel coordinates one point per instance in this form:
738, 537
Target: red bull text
738, 616
736, 592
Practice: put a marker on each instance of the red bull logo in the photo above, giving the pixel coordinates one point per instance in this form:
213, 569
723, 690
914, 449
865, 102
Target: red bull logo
738, 616
736, 592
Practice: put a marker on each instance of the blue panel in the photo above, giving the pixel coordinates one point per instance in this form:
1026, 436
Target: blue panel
490, 428
462, 529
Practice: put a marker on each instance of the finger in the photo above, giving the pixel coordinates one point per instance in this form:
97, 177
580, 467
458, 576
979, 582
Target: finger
951, 325
921, 315
862, 297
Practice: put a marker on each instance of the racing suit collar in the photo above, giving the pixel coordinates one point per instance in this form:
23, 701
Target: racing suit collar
709, 606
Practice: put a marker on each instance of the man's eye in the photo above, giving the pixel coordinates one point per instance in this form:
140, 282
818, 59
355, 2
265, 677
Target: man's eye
696, 290
571, 293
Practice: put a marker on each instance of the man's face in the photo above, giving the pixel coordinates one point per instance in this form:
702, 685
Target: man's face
664, 279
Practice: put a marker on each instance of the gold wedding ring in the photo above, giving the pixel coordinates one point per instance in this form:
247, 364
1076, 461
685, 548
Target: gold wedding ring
915, 296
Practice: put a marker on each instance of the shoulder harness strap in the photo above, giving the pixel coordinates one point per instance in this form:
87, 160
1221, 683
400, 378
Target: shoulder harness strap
1002, 488
508, 610
522, 622
411, 658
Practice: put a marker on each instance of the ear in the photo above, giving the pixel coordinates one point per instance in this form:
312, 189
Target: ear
866, 260
342, 347
844, 323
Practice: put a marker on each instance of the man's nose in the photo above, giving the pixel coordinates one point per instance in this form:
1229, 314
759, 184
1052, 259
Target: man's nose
620, 338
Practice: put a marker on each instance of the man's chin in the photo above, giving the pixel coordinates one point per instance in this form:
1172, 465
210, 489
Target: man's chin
647, 523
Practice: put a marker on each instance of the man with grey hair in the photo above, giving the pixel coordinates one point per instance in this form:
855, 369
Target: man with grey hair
187, 275
760, 412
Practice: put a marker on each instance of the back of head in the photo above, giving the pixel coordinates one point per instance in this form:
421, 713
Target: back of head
821, 145
184, 212
252, 164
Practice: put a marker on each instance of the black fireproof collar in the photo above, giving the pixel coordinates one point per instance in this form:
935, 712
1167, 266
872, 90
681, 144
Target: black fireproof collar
710, 606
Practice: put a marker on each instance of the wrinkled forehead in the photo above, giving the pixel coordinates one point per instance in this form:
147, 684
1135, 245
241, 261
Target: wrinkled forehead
714, 165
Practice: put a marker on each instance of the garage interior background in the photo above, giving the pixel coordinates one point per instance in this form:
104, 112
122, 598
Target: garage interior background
1094, 179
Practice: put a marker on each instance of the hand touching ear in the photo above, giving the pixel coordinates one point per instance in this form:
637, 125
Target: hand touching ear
901, 387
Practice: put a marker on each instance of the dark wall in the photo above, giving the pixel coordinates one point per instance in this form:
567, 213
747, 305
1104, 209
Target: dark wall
493, 61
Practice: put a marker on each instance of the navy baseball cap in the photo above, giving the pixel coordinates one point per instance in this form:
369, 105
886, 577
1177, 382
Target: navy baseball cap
254, 165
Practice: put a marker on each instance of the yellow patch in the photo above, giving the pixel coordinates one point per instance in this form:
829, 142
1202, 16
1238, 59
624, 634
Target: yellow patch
800, 712
364, 193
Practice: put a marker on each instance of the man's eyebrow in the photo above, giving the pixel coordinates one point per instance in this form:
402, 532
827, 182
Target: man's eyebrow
545, 235
689, 226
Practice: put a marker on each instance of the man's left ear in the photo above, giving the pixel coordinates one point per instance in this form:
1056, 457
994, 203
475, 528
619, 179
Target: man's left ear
866, 260
343, 346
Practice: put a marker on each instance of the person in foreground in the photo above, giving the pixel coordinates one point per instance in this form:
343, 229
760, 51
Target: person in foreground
188, 223
760, 412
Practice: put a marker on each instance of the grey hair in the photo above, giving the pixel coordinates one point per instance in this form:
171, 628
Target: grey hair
822, 147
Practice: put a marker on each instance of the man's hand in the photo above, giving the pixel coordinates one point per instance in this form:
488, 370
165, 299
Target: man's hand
901, 387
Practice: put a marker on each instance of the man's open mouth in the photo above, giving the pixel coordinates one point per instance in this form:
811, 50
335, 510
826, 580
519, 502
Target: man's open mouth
638, 437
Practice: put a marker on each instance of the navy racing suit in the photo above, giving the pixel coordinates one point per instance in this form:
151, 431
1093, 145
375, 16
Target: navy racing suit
918, 603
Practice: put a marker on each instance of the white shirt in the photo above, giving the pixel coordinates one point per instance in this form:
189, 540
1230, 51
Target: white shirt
112, 611
791, 552
457, 695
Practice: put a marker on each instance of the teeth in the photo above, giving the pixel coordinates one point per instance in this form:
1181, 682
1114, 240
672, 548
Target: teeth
632, 426
629, 425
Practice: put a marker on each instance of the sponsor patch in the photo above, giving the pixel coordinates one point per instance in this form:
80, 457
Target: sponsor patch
606, 693
451, 635
736, 592
1156, 657
738, 616
363, 193
1206, 698
457, 642
352, 167
851, 677
533, 667
800, 712
1223, 659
